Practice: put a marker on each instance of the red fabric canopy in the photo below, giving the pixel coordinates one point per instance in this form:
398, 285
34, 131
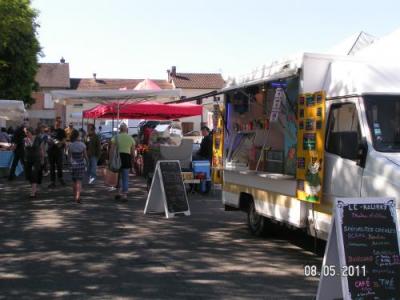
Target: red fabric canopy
144, 110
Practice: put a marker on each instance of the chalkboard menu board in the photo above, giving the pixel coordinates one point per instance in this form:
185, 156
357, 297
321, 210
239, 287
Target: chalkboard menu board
371, 248
173, 185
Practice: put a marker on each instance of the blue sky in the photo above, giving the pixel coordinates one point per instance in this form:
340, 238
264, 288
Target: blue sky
142, 39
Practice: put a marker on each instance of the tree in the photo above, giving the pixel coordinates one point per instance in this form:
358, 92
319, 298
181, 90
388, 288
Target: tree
19, 50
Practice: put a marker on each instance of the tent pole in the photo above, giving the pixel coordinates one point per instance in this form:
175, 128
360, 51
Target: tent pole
118, 112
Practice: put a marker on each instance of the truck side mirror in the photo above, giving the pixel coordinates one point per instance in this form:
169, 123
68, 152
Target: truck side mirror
362, 153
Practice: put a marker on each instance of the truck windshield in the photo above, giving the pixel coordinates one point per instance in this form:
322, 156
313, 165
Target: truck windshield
383, 115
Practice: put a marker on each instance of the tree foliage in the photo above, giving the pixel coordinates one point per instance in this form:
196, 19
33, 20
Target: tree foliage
19, 50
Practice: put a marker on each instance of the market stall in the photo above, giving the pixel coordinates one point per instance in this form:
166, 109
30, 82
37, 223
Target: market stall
165, 134
149, 110
10, 110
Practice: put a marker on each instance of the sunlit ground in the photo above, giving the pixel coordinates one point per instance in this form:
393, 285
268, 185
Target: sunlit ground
52, 247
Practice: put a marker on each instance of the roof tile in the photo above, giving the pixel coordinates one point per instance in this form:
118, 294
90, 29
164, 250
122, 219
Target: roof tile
100, 84
53, 75
198, 80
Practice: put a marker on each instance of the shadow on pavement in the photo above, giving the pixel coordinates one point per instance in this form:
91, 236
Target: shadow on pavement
51, 247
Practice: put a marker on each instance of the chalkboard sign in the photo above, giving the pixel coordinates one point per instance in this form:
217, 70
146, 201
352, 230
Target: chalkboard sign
371, 248
363, 251
167, 192
173, 185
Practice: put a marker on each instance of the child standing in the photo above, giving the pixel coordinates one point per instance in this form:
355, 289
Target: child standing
77, 157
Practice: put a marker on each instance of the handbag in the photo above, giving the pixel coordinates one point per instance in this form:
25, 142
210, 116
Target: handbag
110, 178
115, 160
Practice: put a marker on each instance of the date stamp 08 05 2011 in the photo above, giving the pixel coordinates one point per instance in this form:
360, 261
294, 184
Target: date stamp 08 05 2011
331, 271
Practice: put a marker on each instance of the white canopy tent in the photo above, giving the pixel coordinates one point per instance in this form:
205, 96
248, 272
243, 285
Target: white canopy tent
121, 97
12, 110
356, 78
106, 96
386, 49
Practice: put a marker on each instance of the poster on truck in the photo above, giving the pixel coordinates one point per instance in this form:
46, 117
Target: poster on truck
218, 145
310, 146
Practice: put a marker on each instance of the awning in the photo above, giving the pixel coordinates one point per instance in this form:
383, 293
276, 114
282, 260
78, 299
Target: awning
12, 110
144, 110
107, 96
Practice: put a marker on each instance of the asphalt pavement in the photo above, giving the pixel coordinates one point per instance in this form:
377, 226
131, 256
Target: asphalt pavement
51, 248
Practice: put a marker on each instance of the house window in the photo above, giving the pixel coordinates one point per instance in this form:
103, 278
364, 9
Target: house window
48, 101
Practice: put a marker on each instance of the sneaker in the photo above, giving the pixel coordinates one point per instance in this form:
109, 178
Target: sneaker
52, 185
111, 189
91, 180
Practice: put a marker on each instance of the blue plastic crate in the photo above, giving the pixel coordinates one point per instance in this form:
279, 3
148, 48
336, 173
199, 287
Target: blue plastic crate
202, 166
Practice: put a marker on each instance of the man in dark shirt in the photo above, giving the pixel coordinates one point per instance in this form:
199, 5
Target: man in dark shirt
205, 151
19, 150
56, 153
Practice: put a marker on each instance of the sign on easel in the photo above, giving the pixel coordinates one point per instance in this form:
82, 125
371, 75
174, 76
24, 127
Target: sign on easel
167, 192
362, 257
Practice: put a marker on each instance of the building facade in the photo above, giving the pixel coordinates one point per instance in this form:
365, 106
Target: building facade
50, 76
55, 76
194, 84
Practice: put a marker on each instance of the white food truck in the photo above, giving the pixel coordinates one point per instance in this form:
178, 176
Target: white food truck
306, 131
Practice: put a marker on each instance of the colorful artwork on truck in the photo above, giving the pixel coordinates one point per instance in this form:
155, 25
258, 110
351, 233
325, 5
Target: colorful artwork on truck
218, 144
310, 146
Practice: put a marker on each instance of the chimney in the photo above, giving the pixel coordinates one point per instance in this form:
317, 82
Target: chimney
169, 75
173, 71
94, 76
62, 60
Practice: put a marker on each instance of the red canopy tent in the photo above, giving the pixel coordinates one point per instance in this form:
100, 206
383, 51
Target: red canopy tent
144, 110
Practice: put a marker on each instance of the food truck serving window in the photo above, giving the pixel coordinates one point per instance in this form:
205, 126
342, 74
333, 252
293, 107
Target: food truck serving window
383, 115
343, 133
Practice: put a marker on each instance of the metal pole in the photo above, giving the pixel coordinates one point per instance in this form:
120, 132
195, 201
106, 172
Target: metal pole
118, 112
262, 149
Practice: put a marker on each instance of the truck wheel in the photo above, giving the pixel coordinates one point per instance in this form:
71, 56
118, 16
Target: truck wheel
257, 223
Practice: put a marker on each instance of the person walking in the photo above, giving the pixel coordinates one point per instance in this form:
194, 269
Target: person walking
77, 156
19, 150
68, 131
46, 138
126, 148
93, 150
56, 152
34, 158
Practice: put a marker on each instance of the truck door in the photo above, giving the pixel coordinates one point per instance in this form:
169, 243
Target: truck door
343, 177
